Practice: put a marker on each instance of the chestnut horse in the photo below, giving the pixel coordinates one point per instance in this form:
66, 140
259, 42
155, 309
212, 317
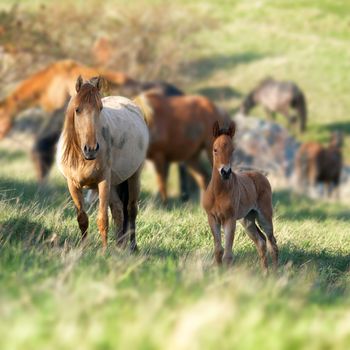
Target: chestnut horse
50, 88
180, 129
316, 164
278, 96
103, 146
232, 196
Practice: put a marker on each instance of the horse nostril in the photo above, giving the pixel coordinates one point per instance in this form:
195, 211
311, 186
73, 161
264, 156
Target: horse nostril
85, 149
229, 171
222, 171
97, 147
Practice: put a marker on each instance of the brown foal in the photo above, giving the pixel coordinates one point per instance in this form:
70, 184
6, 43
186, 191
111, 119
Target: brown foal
234, 196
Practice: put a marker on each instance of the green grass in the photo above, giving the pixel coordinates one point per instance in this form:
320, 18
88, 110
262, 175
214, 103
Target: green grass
170, 295
54, 294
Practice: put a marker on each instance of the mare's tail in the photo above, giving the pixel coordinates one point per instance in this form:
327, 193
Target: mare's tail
142, 102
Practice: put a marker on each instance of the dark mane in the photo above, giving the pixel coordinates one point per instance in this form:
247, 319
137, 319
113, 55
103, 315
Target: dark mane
87, 95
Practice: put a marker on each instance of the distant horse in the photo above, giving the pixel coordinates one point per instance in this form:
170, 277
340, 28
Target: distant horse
278, 96
230, 197
316, 164
180, 128
103, 146
50, 88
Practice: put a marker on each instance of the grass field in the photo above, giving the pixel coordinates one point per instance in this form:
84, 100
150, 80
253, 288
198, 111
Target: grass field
54, 295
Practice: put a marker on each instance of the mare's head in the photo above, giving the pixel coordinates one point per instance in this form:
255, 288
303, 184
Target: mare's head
84, 111
248, 103
337, 139
223, 149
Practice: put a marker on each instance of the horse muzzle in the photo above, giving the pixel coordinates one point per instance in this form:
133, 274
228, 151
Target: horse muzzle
225, 173
90, 153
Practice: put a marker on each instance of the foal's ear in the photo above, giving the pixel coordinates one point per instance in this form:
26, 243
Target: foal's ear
231, 129
79, 83
216, 129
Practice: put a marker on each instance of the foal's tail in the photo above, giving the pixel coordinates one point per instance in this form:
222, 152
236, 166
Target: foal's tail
301, 108
142, 102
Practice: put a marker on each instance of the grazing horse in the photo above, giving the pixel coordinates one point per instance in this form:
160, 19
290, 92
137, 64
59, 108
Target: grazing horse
180, 129
50, 88
316, 164
103, 146
232, 196
278, 96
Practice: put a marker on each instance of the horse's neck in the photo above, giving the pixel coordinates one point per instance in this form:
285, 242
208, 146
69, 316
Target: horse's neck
220, 186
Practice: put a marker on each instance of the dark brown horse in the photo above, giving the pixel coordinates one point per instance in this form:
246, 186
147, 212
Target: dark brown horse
278, 96
180, 129
316, 164
243, 196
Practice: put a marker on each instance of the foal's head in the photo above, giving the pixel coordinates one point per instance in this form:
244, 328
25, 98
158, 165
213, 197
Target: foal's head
223, 149
86, 107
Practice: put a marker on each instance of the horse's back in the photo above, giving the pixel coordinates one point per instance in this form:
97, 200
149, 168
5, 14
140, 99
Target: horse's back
125, 127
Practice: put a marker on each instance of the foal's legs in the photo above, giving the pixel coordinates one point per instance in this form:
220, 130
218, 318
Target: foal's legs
229, 231
134, 192
216, 232
77, 196
257, 237
264, 219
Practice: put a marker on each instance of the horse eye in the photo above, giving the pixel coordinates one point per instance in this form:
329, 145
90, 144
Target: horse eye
77, 110
215, 150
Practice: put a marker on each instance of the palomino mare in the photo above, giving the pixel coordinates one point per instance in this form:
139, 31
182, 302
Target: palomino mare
278, 96
316, 164
180, 129
230, 197
103, 146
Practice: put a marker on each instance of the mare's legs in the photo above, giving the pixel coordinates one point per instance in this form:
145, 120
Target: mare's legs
199, 172
161, 167
183, 182
116, 206
264, 219
134, 192
229, 231
216, 232
77, 196
102, 218
257, 237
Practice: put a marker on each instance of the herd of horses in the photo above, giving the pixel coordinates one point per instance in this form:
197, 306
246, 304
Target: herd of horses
101, 143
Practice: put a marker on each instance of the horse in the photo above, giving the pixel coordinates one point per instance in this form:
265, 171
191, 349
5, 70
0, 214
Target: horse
50, 88
317, 164
103, 146
180, 129
44, 147
278, 96
231, 196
